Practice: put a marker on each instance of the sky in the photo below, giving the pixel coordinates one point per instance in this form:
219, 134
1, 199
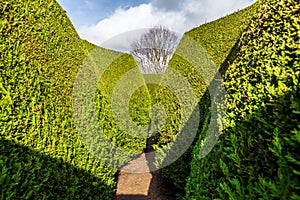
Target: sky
115, 24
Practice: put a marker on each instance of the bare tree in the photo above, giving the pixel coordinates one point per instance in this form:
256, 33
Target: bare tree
154, 49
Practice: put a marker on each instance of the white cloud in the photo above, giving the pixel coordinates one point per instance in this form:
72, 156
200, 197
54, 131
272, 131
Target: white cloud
180, 16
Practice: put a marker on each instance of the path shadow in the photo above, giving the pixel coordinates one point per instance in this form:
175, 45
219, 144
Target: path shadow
146, 184
162, 187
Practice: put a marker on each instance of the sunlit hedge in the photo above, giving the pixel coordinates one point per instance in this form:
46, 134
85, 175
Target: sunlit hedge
41, 155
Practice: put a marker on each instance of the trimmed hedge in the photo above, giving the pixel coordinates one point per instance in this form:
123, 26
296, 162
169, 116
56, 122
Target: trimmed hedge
41, 155
139, 104
219, 38
257, 156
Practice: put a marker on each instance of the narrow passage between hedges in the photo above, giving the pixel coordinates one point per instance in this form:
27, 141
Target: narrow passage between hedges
143, 185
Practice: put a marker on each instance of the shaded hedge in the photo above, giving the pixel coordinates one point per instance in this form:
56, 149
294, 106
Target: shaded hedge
257, 156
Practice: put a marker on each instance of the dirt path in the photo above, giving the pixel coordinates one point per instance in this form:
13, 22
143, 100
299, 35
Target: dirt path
142, 184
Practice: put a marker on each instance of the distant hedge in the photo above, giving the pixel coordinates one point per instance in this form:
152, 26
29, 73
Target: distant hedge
257, 155
126, 138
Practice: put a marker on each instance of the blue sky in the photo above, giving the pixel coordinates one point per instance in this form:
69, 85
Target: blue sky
99, 21
88, 12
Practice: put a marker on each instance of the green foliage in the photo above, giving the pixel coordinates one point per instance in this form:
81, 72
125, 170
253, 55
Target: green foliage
42, 157
257, 156
139, 104
220, 37
178, 170
221, 45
